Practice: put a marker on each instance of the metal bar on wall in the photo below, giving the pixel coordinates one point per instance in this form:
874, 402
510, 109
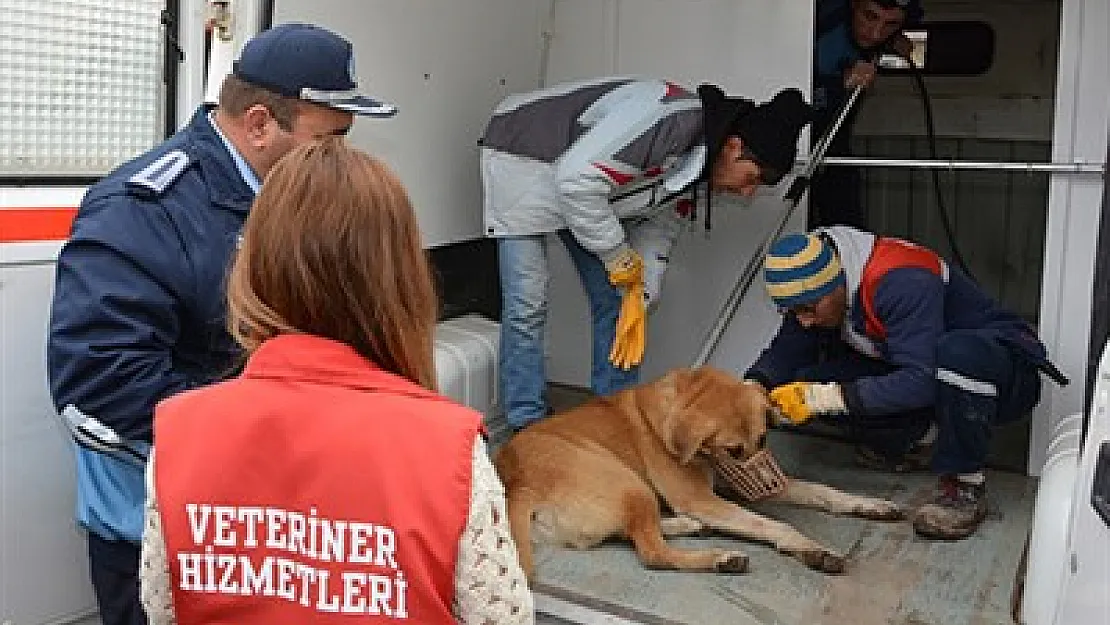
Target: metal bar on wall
1077, 167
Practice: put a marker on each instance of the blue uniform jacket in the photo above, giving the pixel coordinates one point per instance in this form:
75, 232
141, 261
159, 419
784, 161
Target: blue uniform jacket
138, 311
917, 307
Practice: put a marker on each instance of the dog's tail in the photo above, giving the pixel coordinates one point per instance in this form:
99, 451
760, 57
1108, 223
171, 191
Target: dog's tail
522, 502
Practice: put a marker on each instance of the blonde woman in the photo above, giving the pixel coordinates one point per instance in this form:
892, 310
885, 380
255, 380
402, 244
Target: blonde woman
329, 479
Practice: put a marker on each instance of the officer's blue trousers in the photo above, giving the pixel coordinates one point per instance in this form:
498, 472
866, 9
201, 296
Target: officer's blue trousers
114, 567
981, 382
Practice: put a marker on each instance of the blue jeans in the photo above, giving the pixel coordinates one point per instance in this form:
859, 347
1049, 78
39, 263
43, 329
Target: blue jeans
523, 265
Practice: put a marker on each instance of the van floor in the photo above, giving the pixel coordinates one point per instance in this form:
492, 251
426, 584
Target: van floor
893, 577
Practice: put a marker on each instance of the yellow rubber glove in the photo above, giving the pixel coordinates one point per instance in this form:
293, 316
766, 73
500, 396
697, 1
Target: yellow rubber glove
626, 272
800, 401
628, 343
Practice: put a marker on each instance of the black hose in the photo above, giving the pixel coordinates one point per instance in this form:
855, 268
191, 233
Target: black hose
930, 128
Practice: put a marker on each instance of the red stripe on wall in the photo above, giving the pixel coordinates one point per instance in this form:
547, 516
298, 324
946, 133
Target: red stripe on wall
36, 224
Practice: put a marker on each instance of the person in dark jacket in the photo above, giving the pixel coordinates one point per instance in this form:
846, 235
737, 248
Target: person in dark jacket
906, 352
849, 35
138, 308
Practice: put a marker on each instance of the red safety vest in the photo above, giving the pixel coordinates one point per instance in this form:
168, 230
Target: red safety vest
887, 254
314, 488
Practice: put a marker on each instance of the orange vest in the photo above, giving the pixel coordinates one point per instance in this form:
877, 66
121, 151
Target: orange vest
887, 254
314, 488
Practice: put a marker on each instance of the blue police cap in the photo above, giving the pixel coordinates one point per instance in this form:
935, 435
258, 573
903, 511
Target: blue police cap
309, 63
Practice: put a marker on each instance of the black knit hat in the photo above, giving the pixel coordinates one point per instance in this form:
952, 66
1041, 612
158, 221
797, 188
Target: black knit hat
769, 131
719, 113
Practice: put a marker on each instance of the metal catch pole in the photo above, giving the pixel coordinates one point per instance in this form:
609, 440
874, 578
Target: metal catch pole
793, 196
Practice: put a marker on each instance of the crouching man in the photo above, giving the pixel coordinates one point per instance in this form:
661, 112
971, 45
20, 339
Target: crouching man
904, 351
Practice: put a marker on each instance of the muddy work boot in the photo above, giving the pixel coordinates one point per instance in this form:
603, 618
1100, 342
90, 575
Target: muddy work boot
955, 511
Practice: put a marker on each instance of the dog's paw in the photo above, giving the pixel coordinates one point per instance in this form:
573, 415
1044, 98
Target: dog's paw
879, 510
731, 562
823, 560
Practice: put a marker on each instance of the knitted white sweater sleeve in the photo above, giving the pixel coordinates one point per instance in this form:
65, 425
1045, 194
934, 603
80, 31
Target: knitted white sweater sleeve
154, 567
490, 587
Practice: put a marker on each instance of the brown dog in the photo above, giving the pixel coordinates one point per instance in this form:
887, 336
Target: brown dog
598, 471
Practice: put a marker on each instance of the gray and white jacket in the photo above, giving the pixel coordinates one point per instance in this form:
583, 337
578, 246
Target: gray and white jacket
554, 158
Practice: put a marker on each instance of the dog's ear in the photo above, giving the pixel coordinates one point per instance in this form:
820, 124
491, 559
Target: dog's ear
666, 405
688, 436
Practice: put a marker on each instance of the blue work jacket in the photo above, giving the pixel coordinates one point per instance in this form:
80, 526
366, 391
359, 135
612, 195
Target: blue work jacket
138, 312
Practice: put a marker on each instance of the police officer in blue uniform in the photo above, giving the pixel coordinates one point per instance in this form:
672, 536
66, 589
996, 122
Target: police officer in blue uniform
138, 309
849, 35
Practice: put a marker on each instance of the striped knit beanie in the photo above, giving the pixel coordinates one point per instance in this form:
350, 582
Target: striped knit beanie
801, 269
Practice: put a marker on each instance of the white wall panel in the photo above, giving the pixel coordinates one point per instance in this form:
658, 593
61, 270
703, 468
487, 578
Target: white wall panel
752, 48
1074, 208
45, 573
445, 65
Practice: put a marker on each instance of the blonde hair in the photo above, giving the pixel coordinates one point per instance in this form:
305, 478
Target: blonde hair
332, 248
